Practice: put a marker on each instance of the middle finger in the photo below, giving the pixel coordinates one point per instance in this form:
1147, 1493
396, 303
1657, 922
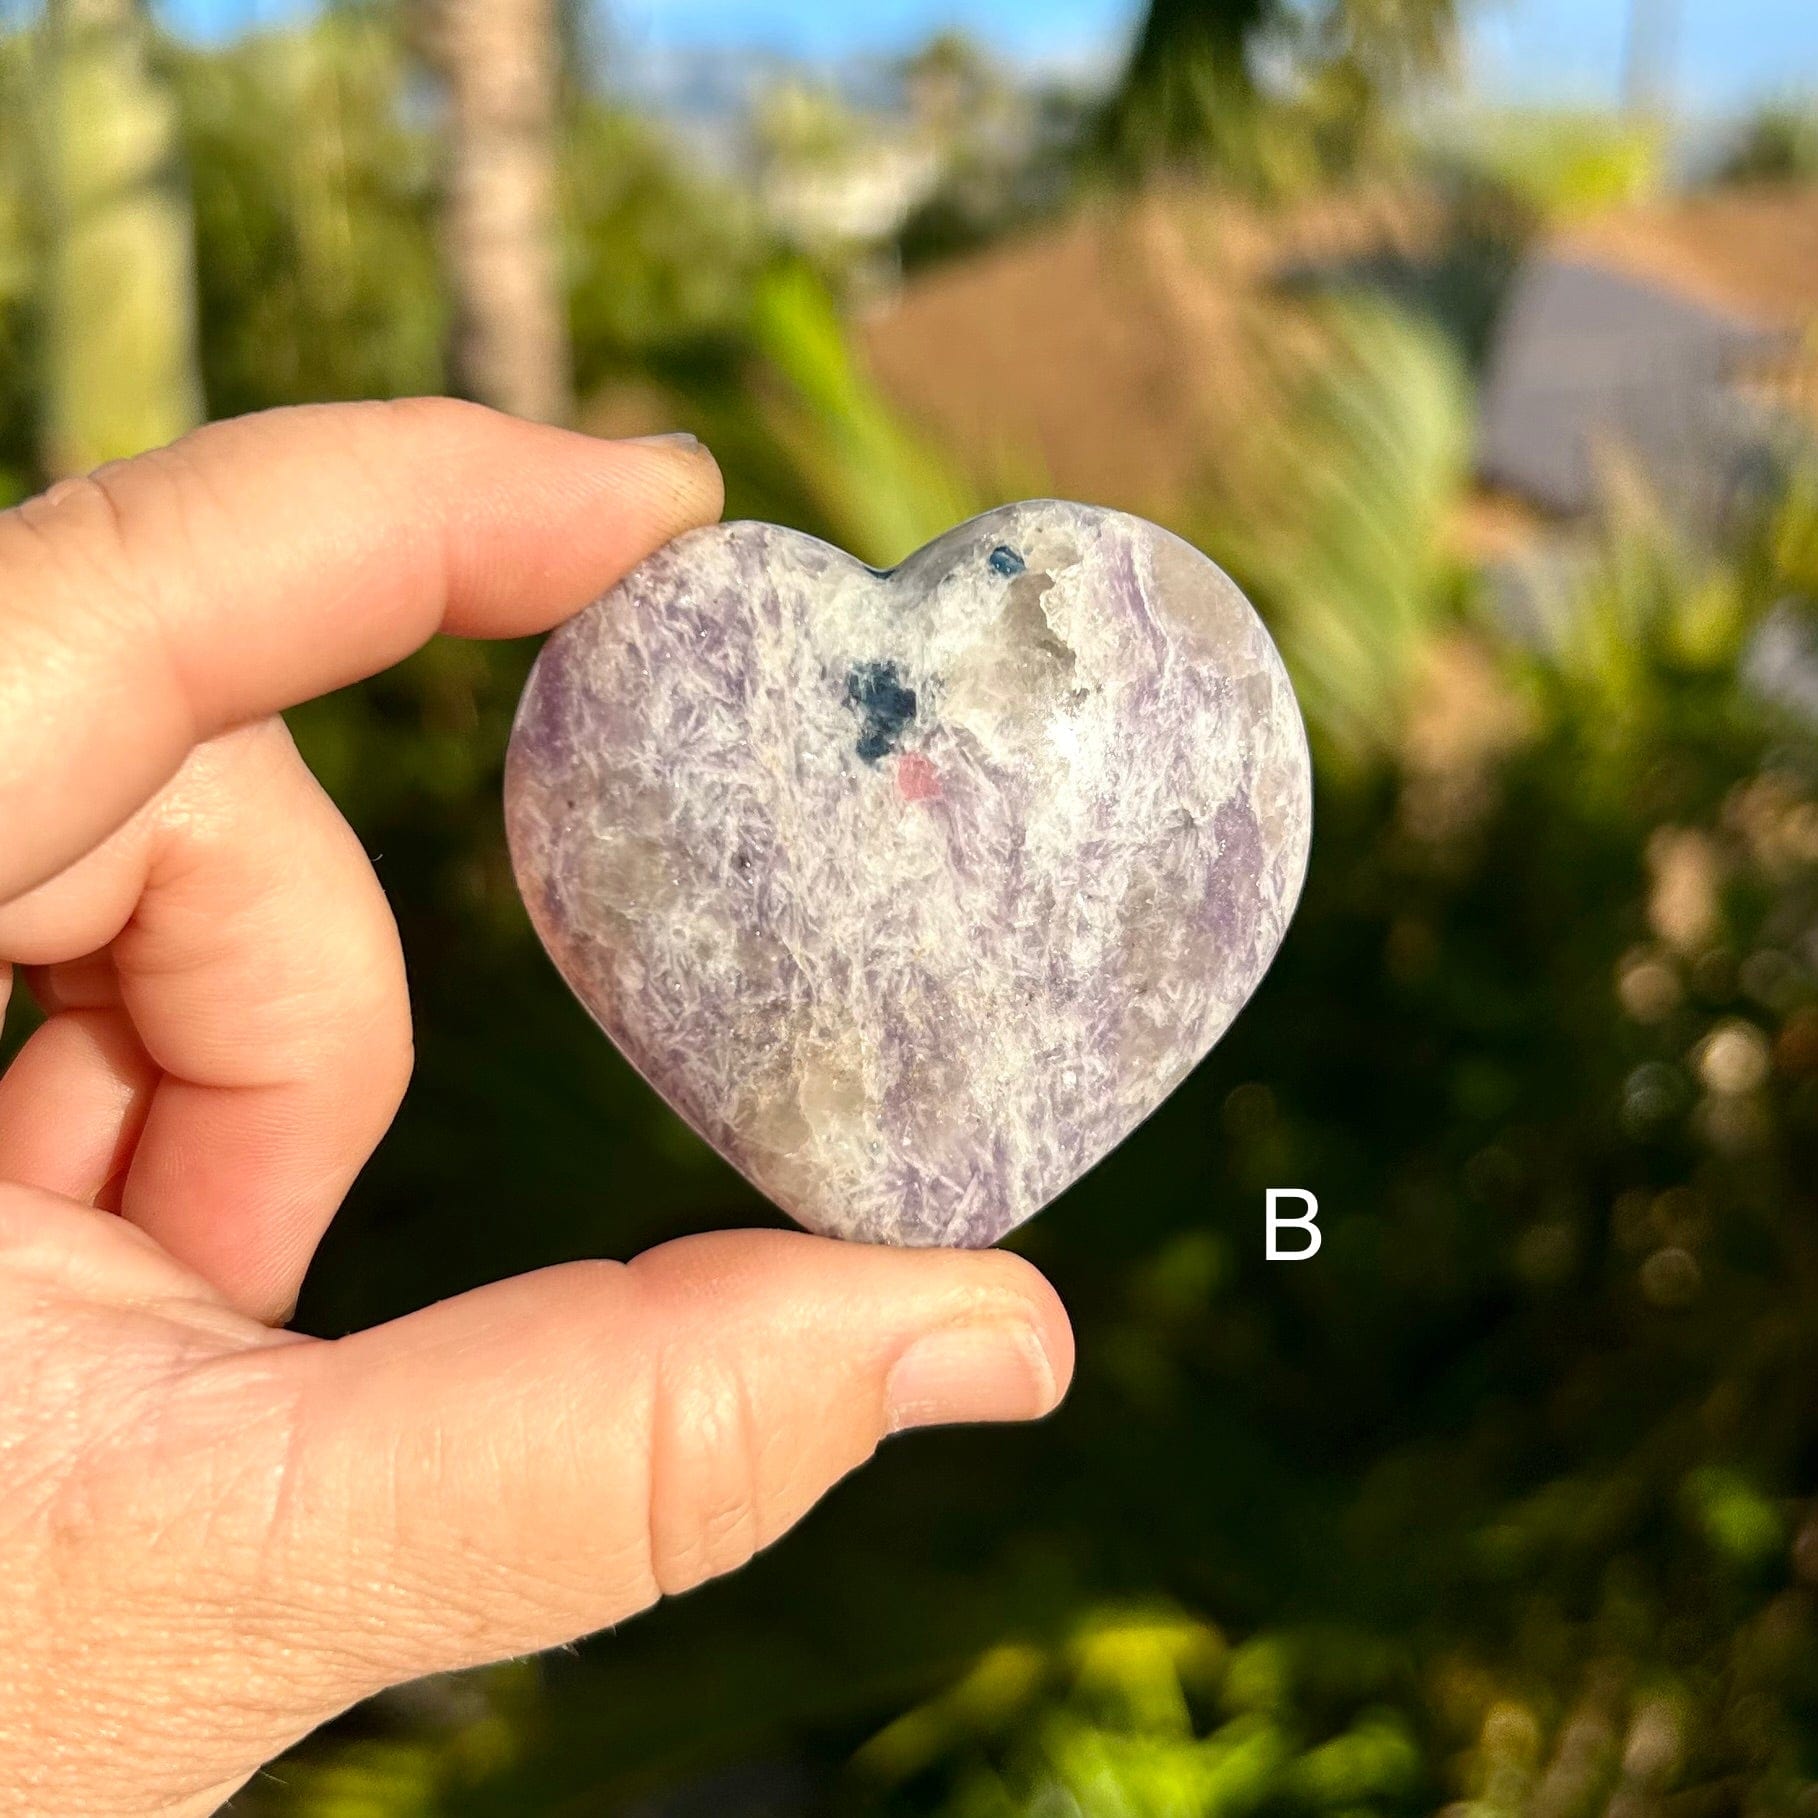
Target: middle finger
253, 952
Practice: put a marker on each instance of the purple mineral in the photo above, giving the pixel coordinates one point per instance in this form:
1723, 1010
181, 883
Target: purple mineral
914, 893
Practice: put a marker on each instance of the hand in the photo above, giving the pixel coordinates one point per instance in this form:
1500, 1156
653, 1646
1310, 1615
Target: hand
215, 1534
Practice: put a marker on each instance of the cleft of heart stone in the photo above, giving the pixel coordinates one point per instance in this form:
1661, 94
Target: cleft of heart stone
914, 892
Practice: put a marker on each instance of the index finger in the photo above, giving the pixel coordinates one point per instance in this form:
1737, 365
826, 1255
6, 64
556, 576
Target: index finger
263, 560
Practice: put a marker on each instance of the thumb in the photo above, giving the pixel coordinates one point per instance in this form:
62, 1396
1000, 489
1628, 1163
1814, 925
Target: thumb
545, 1456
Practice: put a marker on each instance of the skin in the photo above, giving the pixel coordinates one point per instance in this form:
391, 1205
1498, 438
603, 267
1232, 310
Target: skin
215, 1534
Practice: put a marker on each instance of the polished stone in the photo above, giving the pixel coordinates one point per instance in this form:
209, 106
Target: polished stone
914, 893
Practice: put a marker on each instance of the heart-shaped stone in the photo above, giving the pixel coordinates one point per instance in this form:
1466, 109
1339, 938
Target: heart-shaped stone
914, 892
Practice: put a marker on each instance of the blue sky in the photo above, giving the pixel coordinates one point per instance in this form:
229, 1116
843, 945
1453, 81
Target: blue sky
1726, 52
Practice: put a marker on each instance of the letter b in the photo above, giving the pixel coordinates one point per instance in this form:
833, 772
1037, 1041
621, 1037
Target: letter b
1304, 1224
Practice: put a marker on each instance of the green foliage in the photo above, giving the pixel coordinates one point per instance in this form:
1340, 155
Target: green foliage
661, 262
1336, 519
1189, 92
858, 474
1559, 163
1135, 1716
22, 231
1008, 156
313, 179
1776, 144
119, 346
1193, 95
315, 248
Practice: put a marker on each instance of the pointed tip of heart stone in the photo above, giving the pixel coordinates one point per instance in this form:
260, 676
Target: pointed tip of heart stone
914, 893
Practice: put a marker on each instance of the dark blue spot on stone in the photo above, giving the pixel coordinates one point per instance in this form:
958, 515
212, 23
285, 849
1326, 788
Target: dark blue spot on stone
1005, 561
885, 707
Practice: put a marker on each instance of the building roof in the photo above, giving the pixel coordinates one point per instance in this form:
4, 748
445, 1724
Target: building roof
1589, 359
1111, 357
1116, 356
1749, 252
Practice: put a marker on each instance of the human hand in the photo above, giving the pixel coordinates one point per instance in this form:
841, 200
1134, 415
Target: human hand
215, 1534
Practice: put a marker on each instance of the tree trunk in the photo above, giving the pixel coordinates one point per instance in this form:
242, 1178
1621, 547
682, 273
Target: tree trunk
500, 243
119, 284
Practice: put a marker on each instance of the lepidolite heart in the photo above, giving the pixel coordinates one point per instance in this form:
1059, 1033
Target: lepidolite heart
914, 892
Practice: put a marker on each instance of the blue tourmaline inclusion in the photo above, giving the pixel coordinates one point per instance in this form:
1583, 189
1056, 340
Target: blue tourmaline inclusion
885, 707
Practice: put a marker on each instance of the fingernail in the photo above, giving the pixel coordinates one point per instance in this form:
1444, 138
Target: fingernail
674, 438
971, 1373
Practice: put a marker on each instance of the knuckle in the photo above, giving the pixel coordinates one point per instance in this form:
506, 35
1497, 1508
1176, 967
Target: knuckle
707, 1471
399, 1063
428, 412
148, 506
101, 540
370, 1024
102, 1472
75, 534
423, 423
387, 1044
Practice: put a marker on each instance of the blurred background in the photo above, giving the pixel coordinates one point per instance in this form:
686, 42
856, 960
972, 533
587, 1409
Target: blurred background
1477, 341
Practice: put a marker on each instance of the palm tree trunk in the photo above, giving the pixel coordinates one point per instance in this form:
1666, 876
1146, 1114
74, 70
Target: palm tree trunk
121, 370
500, 242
